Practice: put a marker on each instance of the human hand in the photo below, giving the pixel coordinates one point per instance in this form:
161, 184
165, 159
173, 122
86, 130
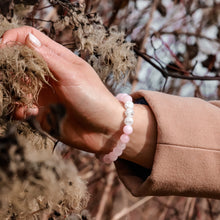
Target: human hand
93, 114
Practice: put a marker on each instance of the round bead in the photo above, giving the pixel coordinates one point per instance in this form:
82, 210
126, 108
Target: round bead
126, 99
113, 156
123, 146
129, 112
124, 138
118, 151
128, 121
128, 129
129, 104
120, 96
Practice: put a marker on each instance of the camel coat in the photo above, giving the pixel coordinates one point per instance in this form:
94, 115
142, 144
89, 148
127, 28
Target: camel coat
187, 154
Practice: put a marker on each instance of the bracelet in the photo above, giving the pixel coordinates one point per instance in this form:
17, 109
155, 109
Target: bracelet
127, 129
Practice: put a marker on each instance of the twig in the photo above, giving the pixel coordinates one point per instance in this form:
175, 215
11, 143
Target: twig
147, 30
187, 34
105, 196
164, 213
125, 211
166, 74
48, 6
48, 17
187, 208
210, 209
191, 209
173, 208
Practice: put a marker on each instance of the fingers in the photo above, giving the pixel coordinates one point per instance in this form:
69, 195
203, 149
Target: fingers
36, 39
66, 69
60, 60
23, 112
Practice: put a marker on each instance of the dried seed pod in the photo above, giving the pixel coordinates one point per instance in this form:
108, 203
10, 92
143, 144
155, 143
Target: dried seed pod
22, 74
33, 182
105, 49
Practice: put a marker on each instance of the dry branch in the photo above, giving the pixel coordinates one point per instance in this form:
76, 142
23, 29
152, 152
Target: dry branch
167, 74
127, 210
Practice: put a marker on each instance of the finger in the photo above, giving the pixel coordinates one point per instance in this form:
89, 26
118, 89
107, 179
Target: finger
20, 35
63, 69
23, 112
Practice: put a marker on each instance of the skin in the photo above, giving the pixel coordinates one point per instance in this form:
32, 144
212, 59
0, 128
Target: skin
94, 116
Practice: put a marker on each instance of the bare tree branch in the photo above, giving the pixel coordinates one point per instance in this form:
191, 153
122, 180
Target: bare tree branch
166, 74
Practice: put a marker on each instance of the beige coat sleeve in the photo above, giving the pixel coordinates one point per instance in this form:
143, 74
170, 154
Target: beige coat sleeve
187, 156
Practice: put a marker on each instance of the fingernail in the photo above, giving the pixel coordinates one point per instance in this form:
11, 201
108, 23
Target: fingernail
31, 112
34, 40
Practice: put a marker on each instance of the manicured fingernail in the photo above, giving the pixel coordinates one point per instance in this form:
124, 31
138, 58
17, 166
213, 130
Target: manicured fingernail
31, 112
34, 40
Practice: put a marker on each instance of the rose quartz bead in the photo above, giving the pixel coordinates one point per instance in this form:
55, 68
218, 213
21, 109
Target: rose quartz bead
124, 138
113, 156
129, 112
117, 151
129, 104
122, 146
120, 96
126, 98
129, 120
128, 129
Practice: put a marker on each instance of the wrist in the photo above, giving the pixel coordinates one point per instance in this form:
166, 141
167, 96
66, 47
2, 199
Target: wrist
127, 129
113, 128
97, 138
141, 147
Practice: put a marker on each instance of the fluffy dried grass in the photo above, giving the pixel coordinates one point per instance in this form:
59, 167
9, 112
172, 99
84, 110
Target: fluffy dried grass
22, 73
34, 184
106, 50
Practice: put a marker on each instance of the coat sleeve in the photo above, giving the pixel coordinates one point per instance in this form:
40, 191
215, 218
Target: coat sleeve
187, 154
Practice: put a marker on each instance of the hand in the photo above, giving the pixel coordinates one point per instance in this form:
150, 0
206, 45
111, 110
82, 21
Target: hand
93, 114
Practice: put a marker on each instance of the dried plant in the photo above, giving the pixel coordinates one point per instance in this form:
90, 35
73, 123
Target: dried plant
34, 184
105, 49
171, 37
22, 73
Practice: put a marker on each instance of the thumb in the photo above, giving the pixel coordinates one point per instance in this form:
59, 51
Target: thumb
23, 112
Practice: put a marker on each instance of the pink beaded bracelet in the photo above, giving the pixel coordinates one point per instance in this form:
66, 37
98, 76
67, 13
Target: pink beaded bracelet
127, 129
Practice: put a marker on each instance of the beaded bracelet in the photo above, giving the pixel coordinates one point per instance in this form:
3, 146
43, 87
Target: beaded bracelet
127, 129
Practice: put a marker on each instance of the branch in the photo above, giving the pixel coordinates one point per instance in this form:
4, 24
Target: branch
187, 34
125, 211
166, 74
105, 195
143, 43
